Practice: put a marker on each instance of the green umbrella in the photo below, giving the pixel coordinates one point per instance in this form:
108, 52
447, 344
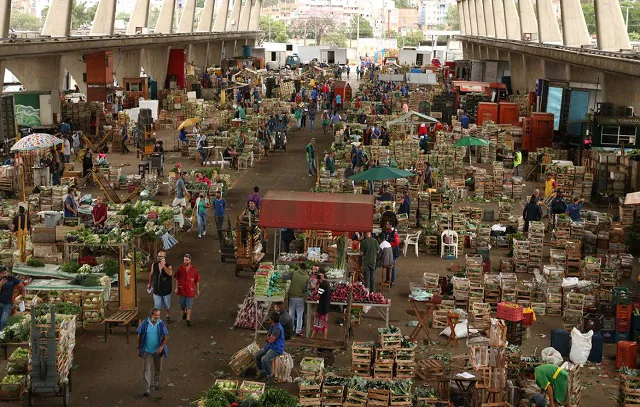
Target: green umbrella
381, 174
471, 141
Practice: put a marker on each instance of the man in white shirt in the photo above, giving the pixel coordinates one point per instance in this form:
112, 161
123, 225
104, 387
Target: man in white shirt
67, 149
385, 256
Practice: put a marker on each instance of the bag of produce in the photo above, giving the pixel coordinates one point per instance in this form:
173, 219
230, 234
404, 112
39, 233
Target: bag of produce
281, 367
580, 346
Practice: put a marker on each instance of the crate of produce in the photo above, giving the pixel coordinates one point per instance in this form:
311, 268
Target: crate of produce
361, 352
405, 370
385, 356
12, 387
311, 367
509, 311
243, 360
383, 371
390, 338
18, 362
309, 392
230, 386
378, 397
251, 389
333, 390
621, 296
355, 398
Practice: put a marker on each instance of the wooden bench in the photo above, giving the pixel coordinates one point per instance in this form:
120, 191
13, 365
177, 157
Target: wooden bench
124, 317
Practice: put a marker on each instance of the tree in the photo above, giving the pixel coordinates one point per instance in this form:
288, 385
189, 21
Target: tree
81, 16
334, 39
452, 18
124, 16
24, 22
412, 39
589, 12
366, 31
402, 3
315, 26
153, 17
199, 3
275, 29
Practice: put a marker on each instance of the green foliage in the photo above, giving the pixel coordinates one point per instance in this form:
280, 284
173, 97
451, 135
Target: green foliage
199, 3
314, 27
81, 15
123, 15
24, 22
452, 17
366, 30
588, 10
403, 3
412, 39
275, 30
335, 39
153, 17
35, 263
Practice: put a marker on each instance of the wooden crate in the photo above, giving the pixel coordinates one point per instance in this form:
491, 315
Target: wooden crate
429, 369
400, 401
244, 392
385, 356
361, 370
378, 397
390, 341
332, 395
221, 381
308, 367
383, 371
361, 352
405, 370
430, 402
310, 395
355, 398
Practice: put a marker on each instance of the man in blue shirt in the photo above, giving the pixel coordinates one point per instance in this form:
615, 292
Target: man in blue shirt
338, 101
573, 210
70, 204
152, 347
219, 206
272, 349
406, 204
7, 286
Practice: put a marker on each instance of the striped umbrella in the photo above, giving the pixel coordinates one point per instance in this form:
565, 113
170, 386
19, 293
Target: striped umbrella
36, 141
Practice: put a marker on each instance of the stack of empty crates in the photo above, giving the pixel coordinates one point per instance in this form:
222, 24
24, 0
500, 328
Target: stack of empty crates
536, 238
508, 287
492, 290
524, 293
479, 323
573, 258
562, 231
573, 310
553, 289
361, 356
558, 258
461, 293
521, 255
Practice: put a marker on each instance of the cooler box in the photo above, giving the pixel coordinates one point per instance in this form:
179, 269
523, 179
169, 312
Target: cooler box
561, 341
597, 344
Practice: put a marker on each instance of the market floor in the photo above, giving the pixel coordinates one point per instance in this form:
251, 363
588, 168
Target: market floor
110, 374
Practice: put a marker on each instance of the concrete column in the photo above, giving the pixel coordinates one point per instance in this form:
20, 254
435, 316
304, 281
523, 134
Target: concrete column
234, 17
206, 17
254, 20
139, 17
155, 62
556, 70
188, 15
245, 16
199, 54
215, 53
164, 25
548, 29
5, 17
498, 18
512, 20
58, 21
528, 22
126, 64
220, 25
461, 19
229, 49
621, 90
105, 18
474, 18
518, 72
574, 27
44, 74
488, 18
76, 67
467, 17
482, 28
535, 71
610, 26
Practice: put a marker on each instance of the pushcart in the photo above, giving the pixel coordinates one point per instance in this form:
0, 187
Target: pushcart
156, 163
227, 247
48, 375
248, 246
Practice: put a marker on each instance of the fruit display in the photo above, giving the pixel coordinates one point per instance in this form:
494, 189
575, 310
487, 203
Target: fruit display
340, 293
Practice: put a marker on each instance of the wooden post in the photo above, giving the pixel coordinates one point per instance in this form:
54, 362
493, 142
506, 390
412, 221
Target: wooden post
347, 322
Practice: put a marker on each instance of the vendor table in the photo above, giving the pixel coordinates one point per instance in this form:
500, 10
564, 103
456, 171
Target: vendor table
257, 301
467, 390
381, 309
423, 316
210, 158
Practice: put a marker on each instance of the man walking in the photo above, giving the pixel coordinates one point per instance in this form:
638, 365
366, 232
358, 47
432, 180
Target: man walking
273, 348
312, 117
297, 295
255, 197
152, 347
160, 284
322, 312
181, 191
311, 157
219, 206
369, 249
188, 287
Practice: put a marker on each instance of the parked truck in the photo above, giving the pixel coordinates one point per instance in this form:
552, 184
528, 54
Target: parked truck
322, 53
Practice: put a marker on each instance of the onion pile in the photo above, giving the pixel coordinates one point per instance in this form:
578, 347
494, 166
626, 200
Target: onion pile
246, 317
340, 293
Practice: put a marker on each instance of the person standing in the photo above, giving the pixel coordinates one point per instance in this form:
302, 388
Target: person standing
187, 288
517, 161
202, 143
181, 191
330, 163
312, 117
70, 204
385, 256
202, 205
152, 347
392, 236
557, 206
405, 204
67, 149
322, 312
7, 286
273, 348
219, 206
573, 209
99, 212
298, 115
303, 119
549, 186
531, 212
297, 296
255, 197
160, 284
285, 319
369, 250
311, 157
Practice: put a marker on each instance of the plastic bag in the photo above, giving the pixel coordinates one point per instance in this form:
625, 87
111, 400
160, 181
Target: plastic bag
281, 367
580, 346
550, 355
460, 330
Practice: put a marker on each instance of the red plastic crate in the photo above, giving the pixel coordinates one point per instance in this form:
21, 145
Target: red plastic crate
527, 319
624, 311
623, 325
509, 313
626, 354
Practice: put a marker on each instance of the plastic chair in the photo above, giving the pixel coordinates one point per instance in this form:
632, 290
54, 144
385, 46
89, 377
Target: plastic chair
411, 239
224, 161
449, 243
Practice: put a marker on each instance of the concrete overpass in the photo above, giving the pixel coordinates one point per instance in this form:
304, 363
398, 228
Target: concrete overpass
40, 63
535, 46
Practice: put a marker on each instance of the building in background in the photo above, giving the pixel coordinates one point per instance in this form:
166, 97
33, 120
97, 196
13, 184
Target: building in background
434, 12
24, 6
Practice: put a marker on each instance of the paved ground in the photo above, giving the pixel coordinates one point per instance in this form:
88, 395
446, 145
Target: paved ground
109, 374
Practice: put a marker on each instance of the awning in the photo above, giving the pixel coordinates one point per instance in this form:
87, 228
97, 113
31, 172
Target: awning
322, 211
408, 118
472, 88
632, 198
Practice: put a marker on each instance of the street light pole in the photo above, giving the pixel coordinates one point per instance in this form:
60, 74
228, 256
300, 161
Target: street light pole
358, 34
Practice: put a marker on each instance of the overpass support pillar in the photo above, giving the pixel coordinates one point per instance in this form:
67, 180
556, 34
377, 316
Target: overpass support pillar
474, 16
234, 17
622, 91
199, 54
528, 21
206, 17
518, 70
548, 29
498, 18
254, 19
488, 18
462, 19
557, 70
215, 52
245, 15
58, 21
38, 73
76, 67
220, 25
127, 64
188, 15
155, 61
5, 17
574, 26
512, 20
105, 18
139, 17
610, 26
164, 25
482, 28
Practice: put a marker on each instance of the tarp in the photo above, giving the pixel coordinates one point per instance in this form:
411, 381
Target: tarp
387, 77
412, 117
632, 198
322, 211
428, 78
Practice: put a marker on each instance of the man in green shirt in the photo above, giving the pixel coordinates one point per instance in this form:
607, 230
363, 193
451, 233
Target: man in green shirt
554, 381
330, 163
311, 157
297, 295
369, 250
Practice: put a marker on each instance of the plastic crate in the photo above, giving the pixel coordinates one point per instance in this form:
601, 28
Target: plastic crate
621, 336
608, 310
608, 335
623, 325
624, 312
635, 322
626, 354
509, 311
592, 322
527, 318
609, 323
621, 296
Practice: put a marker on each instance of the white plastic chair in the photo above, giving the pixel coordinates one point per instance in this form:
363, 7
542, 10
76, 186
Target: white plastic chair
449, 243
224, 161
411, 239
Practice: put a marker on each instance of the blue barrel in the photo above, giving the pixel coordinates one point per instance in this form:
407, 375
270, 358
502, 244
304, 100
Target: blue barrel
246, 51
561, 341
597, 344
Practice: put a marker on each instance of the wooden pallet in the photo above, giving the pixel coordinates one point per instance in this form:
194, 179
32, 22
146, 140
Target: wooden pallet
104, 185
309, 395
429, 369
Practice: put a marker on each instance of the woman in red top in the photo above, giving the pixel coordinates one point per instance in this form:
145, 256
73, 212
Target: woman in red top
99, 213
188, 287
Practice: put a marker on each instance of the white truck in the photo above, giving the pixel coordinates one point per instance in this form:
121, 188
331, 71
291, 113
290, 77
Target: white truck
322, 53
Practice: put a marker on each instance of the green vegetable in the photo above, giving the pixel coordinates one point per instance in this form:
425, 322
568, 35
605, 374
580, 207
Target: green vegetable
86, 280
341, 255
19, 353
216, 397
35, 263
13, 379
277, 398
425, 392
110, 267
63, 308
71, 267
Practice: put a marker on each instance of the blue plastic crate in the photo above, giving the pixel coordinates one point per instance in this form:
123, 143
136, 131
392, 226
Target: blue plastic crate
608, 336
